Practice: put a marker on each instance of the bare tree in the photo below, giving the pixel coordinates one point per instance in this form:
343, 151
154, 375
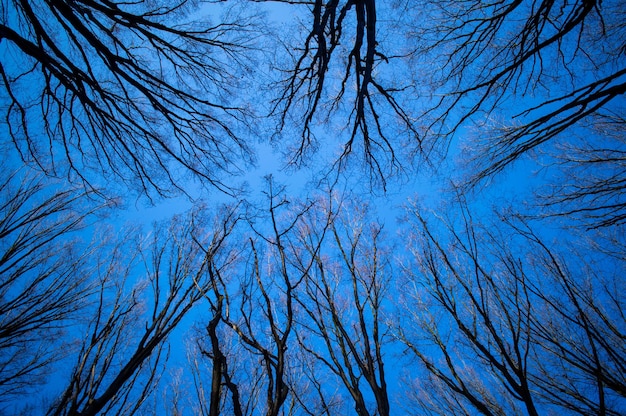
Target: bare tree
253, 309
43, 275
265, 319
215, 346
317, 390
495, 49
592, 183
134, 90
217, 377
124, 346
342, 304
559, 63
583, 330
338, 67
502, 326
301, 325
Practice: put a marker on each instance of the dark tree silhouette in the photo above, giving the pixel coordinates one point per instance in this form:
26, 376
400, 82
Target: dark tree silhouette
344, 36
592, 184
306, 306
210, 352
253, 360
43, 276
502, 324
125, 341
524, 76
519, 47
263, 315
342, 302
133, 90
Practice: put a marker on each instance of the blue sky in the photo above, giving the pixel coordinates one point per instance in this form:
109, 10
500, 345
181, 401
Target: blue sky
417, 78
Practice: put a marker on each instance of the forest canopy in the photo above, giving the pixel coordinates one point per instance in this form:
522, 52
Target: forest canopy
312, 207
